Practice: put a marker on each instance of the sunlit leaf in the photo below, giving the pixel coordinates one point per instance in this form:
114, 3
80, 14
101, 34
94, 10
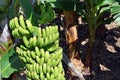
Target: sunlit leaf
10, 63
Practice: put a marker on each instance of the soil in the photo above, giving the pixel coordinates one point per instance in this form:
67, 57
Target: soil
106, 52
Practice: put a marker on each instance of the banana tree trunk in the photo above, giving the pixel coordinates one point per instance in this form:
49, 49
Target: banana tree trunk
72, 38
71, 33
89, 55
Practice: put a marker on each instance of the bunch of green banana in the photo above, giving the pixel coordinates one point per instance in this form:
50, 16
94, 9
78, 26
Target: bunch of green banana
41, 64
47, 14
19, 27
39, 50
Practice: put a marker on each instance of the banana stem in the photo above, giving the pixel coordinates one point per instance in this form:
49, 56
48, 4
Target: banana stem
88, 59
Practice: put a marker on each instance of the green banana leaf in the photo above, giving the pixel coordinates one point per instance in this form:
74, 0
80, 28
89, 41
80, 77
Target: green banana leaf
115, 12
70, 5
10, 63
13, 9
28, 10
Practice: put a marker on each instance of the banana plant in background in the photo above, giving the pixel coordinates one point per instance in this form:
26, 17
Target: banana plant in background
93, 11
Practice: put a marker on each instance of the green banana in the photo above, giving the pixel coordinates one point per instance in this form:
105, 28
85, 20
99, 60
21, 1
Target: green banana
56, 71
54, 63
28, 53
58, 53
26, 42
52, 70
50, 30
22, 22
23, 47
48, 69
42, 52
37, 51
40, 42
47, 31
53, 47
31, 68
33, 56
48, 76
37, 59
34, 67
36, 77
28, 75
31, 60
52, 77
50, 39
42, 77
24, 60
32, 75
42, 8
13, 33
39, 32
21, 53
53, 56
11, 24
60, 77
60, 67
44, 68
17, 33
30, 26
41, 61
31, 42
16, 22
50, 11
55, 36
46, 41
28, 59
22, 31
53, 30
52, 15
49, 62
56, 28
46, 57
27, 66
44, 33
40, 69
18, 50
44, 18
37, 68
24, 53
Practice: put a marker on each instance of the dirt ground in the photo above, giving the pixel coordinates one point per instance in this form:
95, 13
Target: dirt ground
106, 54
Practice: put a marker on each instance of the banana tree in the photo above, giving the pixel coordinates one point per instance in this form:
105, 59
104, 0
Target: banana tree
93, 11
